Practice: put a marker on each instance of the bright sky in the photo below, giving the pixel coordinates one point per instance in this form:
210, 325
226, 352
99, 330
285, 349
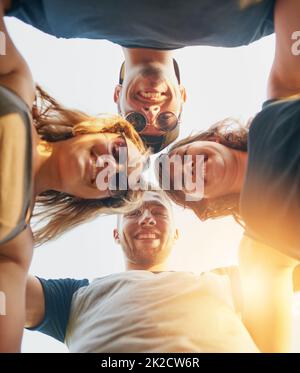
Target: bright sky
82, 74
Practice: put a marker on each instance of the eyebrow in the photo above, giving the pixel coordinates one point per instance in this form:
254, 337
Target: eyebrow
155, 203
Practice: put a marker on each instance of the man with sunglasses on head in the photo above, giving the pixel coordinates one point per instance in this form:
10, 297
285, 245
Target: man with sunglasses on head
150, 94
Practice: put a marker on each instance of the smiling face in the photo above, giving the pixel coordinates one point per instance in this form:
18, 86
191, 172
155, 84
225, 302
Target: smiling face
78, 169
150, 89
147, 234
220, 168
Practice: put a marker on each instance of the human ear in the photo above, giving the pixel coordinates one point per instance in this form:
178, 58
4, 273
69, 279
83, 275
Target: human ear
182, 92
176, 234
117, 93
116, 236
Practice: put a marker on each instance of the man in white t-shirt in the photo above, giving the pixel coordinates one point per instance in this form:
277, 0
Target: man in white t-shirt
145, 308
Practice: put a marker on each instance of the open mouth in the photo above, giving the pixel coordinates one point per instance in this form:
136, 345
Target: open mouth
146, 236
152, 96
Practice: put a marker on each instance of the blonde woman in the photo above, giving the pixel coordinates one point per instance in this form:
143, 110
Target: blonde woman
48, 158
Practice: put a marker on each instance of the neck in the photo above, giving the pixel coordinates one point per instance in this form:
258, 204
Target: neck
154, 268
137, 56
241, 166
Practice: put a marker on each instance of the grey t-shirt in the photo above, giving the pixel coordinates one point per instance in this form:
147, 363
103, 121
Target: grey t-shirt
142, 311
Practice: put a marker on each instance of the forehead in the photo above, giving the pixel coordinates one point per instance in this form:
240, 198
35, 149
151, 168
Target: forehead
152, 198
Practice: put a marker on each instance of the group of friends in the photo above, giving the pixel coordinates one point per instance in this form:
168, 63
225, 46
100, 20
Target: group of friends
66, 167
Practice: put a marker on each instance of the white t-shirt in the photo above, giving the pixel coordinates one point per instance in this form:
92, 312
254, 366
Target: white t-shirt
142, 311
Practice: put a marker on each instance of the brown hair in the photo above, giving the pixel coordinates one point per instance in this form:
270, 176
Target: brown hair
231, 133
57, 211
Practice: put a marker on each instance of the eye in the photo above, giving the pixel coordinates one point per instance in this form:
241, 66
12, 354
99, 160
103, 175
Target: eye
117, 145
160, 212
115, 152
134, 213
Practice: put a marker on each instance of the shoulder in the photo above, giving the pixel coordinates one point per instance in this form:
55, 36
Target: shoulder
276, 115
20, 83
15, 174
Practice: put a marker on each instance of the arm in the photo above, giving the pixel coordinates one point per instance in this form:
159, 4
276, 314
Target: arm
267, 286
15, 254
14, 71
35, 302
15, 258
284, 79
48, 304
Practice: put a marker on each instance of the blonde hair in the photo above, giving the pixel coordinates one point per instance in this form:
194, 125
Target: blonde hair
59, 212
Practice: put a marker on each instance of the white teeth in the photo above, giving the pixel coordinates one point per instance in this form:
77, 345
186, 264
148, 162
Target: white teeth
146, 236
151, 94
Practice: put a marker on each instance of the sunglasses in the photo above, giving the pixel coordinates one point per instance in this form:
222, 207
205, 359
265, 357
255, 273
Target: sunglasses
165, 121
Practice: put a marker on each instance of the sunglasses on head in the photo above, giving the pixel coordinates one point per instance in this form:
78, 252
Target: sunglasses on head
165, 121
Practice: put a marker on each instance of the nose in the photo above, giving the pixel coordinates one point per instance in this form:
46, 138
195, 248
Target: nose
151, 112
108, 164
147, 219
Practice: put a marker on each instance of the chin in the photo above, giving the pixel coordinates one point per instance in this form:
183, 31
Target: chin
148, 251
148, 262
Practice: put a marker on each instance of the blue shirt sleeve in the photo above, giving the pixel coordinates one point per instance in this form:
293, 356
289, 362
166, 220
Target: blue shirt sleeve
58, 298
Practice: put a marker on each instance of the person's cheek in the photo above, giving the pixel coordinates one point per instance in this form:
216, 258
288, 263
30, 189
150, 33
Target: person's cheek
126, 233
69, 182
